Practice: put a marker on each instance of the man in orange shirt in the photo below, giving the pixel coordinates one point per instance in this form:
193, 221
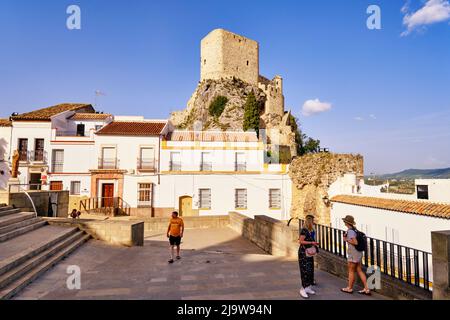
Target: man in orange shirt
175, 233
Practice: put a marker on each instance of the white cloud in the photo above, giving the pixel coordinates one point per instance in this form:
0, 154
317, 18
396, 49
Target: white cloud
433, 11
372, 116
311, 107
358, 118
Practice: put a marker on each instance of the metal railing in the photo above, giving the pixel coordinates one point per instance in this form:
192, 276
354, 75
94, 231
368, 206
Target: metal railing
71, 133
146, 164
105, 205
108, 163
403, 263
240, 166
175, 166
57, 166
33, 156
20, 187
206, 166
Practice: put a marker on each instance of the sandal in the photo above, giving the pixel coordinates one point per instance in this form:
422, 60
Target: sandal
347, 290
364, 292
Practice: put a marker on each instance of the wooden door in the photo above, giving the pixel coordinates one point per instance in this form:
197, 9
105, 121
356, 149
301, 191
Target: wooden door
107, 195
186, 206
56, 185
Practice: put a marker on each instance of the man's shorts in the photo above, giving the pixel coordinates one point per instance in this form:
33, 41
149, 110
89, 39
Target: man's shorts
175, 241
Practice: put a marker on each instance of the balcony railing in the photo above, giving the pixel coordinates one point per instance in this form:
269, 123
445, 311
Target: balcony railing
240, 166
403, 263
146, 164
33, 156
206, 166
72, 133
108, 163
57, 166
175, 166
107, 206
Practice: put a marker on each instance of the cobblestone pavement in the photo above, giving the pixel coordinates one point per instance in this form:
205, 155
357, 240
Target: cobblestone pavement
215, 264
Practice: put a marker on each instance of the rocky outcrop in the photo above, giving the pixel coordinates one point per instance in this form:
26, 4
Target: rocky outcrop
312, 175
232, 117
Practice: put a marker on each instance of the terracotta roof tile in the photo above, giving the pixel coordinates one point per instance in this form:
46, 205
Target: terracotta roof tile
213, 136
45, 114
90, 116
407, 206
133, 128
5, 123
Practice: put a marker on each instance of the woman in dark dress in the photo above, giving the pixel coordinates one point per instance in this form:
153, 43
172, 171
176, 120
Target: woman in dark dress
306, 252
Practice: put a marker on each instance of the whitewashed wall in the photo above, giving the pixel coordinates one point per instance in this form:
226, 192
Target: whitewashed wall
223, 186
5, 145
407, 229
438, 189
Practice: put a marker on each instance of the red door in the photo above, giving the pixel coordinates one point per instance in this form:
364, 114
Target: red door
107, 195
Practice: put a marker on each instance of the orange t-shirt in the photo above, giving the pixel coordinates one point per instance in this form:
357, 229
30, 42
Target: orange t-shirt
175, 227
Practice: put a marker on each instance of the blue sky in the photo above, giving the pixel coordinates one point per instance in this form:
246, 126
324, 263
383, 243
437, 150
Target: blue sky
389, 93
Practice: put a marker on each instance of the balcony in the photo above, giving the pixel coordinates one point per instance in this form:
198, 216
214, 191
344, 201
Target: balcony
57, 166
206, 166
175, 166
148, 165
33, 156
108, 163
240, 166
73, 133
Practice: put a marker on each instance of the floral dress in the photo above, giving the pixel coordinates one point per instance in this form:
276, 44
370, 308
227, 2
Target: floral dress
306, 263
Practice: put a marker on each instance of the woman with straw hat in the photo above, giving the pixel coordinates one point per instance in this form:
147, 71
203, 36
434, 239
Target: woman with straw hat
354, 258
306, 252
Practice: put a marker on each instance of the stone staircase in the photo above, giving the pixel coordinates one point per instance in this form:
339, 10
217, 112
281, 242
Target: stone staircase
29, 247
14, 223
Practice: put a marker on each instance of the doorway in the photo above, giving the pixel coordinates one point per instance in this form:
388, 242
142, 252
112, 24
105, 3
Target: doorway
35, 181
107, 195
185, 206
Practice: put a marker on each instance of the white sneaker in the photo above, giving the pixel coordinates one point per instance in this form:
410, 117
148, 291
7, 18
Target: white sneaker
303, 293
309, 290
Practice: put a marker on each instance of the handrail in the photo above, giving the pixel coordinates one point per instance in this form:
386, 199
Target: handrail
105, 205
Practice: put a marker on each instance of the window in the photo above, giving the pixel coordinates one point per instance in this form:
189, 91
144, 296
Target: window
274, 198
75, 187
146, 160
98, 127
175, 161
145, 191
240, 199
422, 192
56, 185
206, 164
57, 160
23, 149
205, 198
39, 150
240, 163
80, 130
108, 159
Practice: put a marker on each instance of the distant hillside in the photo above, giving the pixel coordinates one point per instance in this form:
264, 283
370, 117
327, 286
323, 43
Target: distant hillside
419, 174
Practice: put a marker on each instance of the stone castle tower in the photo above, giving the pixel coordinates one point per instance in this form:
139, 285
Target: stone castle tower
226, 55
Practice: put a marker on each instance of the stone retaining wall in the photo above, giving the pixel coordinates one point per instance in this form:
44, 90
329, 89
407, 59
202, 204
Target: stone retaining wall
276, 238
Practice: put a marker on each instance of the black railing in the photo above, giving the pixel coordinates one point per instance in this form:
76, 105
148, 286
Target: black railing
72, 133
107, 206
146, 164
57, 166
108, 163
38, 156
406, 264
23, 155
206, 166
240, 166
175, 166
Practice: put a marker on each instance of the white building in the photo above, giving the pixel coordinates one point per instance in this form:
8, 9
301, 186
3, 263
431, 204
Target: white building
143, 164
5, 150
435, 190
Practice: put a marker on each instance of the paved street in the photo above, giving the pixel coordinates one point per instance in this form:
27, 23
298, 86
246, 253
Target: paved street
216, 264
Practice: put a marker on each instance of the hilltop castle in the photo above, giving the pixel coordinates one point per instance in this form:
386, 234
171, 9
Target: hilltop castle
229, 66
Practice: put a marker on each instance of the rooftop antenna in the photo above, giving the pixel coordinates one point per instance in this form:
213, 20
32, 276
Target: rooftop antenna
98, 93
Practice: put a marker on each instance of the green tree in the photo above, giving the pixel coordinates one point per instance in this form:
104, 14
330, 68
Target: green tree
251, 114
217, 106
304, 143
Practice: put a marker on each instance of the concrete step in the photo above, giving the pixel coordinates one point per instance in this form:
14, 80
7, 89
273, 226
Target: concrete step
14, 218
18, 225
19, 284
10, 262
17, 232
29, 264
4, 207
8, 212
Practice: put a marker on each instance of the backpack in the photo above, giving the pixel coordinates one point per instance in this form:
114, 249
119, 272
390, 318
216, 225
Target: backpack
361, 238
